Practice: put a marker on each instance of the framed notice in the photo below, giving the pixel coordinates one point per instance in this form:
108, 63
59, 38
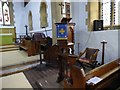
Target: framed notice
67, 7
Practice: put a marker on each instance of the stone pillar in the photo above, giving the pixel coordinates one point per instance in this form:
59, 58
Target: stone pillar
56, 17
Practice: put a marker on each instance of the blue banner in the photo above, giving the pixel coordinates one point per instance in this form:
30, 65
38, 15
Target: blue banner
61, 30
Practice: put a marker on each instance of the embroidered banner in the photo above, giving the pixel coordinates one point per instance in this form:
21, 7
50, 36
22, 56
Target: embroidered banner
61, 30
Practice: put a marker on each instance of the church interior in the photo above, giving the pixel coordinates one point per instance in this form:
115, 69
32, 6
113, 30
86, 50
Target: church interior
64, 44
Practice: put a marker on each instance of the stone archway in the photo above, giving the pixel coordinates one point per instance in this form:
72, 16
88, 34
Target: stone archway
43, 14
30, 21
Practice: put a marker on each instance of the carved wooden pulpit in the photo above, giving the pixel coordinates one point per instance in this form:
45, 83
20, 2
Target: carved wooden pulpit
65, 36
65, 32
65, 42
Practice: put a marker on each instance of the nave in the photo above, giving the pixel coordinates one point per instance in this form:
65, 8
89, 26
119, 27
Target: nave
37, 75
33, 71
61, 34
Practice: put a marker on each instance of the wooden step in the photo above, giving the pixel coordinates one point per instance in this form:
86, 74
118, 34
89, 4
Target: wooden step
23, 47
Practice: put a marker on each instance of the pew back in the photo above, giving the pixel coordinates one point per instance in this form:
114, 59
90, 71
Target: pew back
78, 77
32, 45
100, 71
109, 73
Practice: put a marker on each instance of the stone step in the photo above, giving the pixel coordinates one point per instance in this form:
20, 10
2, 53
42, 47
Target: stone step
9, 48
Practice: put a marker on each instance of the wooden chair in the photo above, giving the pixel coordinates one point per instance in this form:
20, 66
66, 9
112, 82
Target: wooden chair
90, 57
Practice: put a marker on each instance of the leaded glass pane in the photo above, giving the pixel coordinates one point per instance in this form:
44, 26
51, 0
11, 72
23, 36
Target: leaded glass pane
117, 15
1, 14
6, 14
106, 9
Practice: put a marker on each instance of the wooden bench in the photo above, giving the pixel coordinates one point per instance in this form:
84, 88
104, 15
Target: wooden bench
32, 44
108, 73
28, 46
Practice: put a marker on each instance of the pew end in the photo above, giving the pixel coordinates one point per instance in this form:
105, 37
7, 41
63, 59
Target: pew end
109, 75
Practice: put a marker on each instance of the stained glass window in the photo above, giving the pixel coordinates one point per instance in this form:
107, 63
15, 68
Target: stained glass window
1, 13
4, 13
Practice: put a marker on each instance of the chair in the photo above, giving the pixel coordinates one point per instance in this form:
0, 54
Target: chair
90, 57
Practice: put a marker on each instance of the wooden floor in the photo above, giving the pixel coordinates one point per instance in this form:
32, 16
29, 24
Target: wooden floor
39, 76
36, 74
43, 77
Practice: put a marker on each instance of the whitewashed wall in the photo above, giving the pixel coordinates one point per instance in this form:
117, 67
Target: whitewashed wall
93, 39
21, 16
82, 35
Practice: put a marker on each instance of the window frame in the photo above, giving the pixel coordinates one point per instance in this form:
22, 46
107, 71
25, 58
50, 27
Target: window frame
7, 3
11, 16
112, 16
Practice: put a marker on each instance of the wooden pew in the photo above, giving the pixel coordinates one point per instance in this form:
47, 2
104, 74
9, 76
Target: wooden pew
77, 75
109, 73
51, 55
32, 45
58, 50
28, 46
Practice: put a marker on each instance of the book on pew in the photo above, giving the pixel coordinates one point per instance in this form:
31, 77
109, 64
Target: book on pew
94, 80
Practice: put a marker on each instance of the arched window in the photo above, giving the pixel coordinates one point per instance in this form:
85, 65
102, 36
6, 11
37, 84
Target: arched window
6, 13
43, 14
30, 21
